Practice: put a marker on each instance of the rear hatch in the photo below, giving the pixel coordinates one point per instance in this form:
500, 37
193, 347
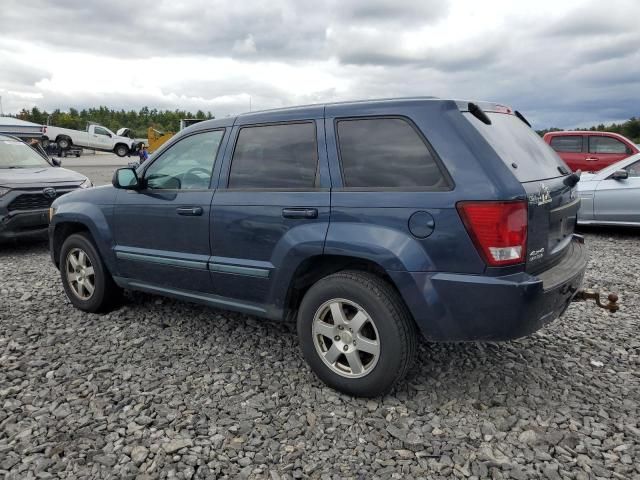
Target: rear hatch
552, 204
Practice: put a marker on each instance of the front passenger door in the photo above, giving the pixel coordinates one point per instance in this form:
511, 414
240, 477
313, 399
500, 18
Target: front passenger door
619, 200
162, 231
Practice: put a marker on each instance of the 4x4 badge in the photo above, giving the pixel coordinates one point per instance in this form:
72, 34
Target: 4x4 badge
542, 197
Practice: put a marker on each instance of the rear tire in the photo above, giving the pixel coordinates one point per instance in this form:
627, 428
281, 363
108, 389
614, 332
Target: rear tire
356, 333
63, 143
121, 150
85, 278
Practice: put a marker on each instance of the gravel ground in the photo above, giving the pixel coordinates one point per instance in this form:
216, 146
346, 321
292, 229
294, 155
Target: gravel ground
164, 389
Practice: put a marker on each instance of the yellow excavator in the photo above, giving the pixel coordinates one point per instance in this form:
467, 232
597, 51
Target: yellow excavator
155, 138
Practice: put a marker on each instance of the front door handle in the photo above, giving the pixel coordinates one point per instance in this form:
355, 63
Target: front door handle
300, 213
189, 211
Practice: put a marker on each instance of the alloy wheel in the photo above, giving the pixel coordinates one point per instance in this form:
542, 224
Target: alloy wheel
346, 338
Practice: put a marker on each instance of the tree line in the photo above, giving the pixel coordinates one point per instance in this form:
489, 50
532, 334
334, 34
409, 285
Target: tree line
169, 120
138, 121
629, 129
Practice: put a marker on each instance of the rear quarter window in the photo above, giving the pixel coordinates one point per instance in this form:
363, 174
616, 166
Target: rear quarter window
386, 153
516, 142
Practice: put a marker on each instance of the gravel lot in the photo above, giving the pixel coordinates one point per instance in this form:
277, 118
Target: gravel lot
164, 389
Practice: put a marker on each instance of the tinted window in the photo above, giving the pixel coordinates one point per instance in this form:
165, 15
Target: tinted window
275, 156
386, 152
606, 145
567, 143
515, 142
101, 131
186, 165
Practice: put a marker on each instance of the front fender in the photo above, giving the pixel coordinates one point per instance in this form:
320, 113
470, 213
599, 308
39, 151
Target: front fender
94, 218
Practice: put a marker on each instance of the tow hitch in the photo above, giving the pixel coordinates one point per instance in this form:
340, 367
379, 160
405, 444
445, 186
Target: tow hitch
588, 294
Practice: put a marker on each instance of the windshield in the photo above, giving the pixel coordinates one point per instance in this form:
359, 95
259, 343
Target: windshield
17, 154
515, 142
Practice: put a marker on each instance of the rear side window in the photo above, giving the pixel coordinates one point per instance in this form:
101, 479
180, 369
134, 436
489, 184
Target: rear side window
516, 142
386, 152
567, 143
606, 145
275, 156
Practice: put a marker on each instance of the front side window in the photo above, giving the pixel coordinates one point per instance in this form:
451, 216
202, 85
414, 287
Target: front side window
186, 165
606, 145
634, 169
101, 131
275, 156
386, 152
567, 143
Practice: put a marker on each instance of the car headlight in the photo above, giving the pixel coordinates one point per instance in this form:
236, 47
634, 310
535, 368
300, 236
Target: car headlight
4, 191
86, 184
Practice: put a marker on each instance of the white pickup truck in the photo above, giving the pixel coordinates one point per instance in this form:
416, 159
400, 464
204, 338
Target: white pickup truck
96, 137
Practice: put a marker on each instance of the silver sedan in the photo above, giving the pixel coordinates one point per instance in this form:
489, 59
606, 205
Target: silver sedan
612, 195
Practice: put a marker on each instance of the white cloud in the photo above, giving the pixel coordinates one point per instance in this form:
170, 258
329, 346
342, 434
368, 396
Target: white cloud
214, 55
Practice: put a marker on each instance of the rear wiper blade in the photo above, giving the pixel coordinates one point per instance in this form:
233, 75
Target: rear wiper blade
521, 117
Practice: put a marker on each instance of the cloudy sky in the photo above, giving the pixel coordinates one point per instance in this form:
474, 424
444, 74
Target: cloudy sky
562, 63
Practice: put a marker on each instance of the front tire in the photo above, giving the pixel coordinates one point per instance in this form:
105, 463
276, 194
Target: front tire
85, 279
356, 333
121, 150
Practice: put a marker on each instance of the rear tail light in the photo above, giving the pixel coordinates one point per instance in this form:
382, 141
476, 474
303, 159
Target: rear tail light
498, 230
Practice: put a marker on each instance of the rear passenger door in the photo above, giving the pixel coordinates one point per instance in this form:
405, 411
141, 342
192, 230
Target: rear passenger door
605, 150
391, 196
271, 210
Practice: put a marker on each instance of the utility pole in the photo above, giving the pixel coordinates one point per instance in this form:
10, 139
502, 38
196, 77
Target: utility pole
1, 111
249, 102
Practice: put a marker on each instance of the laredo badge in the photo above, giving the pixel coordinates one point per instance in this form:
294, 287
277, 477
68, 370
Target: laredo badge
542, 197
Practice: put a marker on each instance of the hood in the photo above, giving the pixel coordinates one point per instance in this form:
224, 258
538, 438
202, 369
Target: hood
30, 176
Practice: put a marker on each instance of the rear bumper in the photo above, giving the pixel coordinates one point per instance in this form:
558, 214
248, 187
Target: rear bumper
24, 224
459, 307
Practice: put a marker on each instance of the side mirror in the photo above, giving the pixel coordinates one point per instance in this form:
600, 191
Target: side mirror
619, 175
56, 162
126, 178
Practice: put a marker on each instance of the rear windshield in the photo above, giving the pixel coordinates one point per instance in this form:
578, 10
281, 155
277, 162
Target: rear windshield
515, 142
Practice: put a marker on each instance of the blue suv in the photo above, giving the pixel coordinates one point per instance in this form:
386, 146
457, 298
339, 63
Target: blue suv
365, 222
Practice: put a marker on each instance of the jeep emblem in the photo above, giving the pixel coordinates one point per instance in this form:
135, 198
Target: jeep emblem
50, 192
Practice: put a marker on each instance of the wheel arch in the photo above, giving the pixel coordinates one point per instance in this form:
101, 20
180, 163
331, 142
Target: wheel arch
81, 217
314, 268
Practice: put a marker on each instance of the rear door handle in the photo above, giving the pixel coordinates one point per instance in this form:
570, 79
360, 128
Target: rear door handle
300, 213
189, 211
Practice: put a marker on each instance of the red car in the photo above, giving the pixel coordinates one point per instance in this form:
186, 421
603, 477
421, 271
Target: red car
590, 151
